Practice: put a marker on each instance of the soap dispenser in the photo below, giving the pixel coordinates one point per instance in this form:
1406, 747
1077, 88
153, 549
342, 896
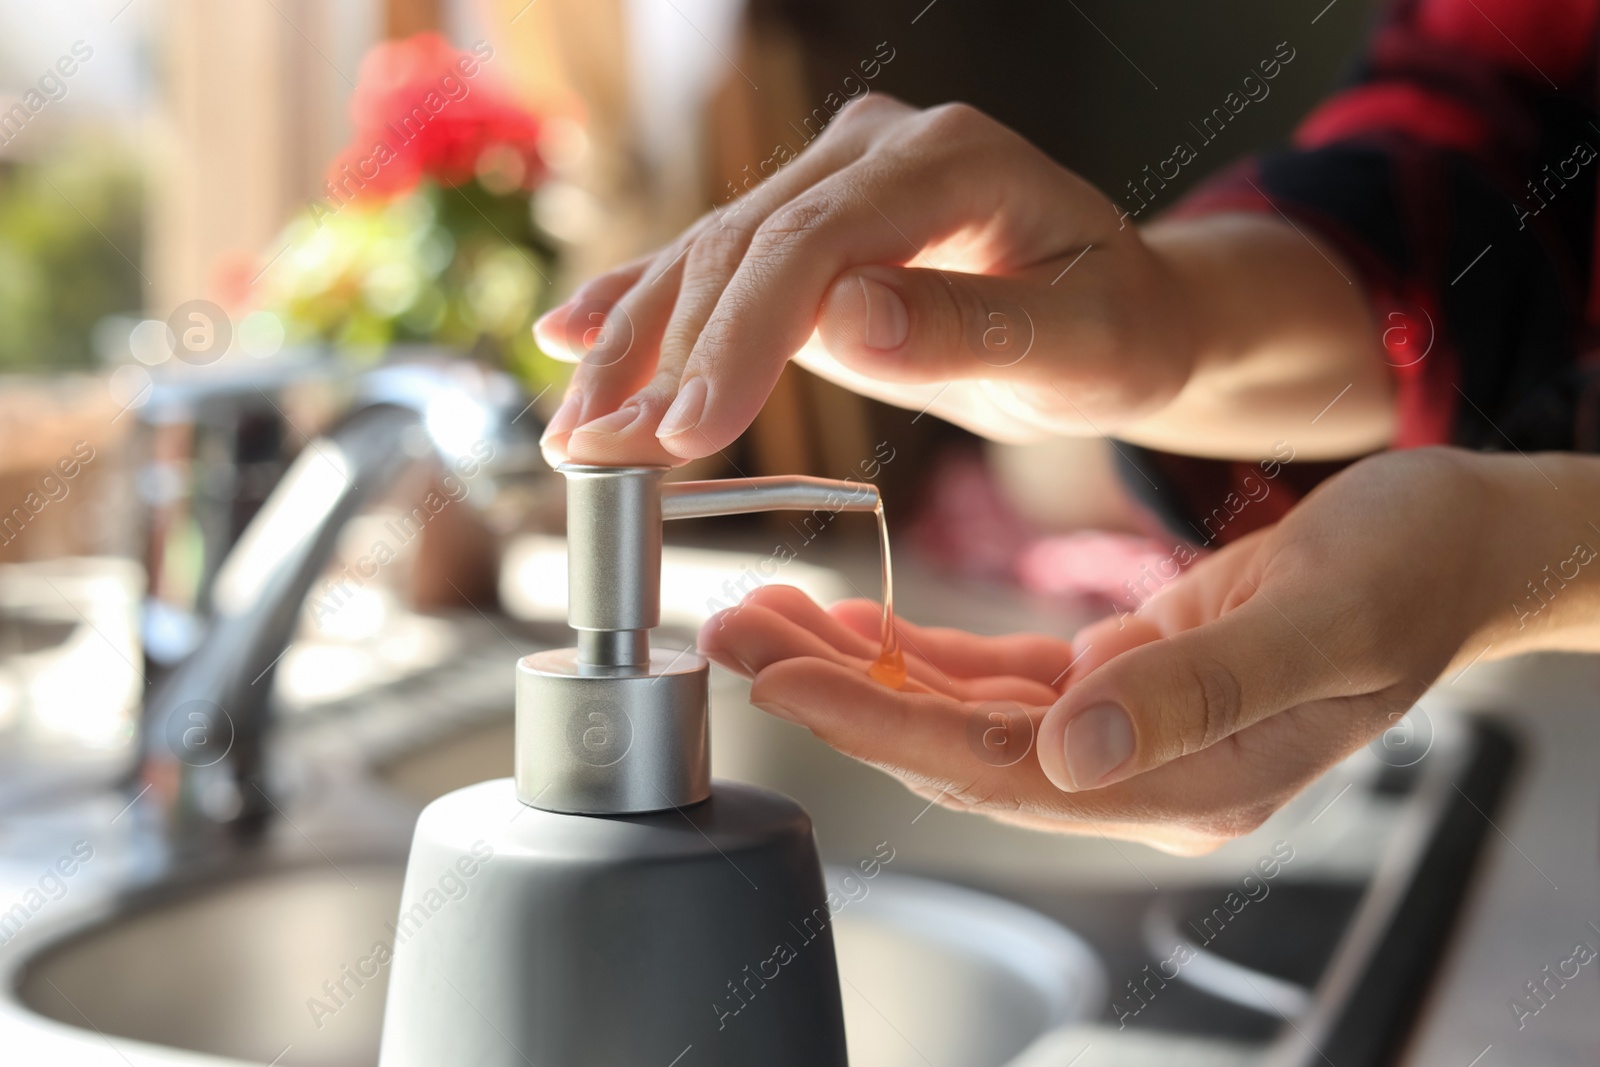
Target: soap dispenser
610, 905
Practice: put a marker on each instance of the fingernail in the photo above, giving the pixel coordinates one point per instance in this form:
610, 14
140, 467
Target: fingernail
544, 332
684, 414
776, 710
565, 418
887, 321
615, 422
1098, 742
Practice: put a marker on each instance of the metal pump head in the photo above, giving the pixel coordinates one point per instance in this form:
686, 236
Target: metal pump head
613, 726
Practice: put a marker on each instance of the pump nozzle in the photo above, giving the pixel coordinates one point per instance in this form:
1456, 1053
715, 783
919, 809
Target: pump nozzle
614, 517
742, 496
611, 726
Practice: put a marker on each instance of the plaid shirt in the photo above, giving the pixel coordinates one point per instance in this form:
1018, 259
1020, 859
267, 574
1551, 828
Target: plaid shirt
1456, 174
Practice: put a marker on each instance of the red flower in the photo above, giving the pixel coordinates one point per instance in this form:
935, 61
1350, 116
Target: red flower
423, 108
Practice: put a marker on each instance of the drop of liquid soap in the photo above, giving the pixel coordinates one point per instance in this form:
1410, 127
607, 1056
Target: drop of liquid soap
890, 667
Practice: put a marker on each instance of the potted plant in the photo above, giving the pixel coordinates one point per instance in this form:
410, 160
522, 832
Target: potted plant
425, 234
425, 241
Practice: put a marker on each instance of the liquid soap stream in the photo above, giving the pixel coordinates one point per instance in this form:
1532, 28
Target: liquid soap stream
890, 667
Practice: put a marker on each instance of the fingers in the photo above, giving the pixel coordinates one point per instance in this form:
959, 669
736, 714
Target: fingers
1212, 586
670, 303
1169, 698
612, 341
750, 638
620, 358
964, 403
932, 182
1203, 592
1037, 657
768, 307
912, 325
571, 330
862, 641
792, 604
780, 622
1100, 643
938, 748
921, 737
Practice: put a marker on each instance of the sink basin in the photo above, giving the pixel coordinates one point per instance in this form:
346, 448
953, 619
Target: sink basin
238, 963
264, 970
933, 975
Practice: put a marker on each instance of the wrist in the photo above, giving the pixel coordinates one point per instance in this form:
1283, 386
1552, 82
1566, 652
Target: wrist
1276, 328
1537, 562
1164, 327
1195, 259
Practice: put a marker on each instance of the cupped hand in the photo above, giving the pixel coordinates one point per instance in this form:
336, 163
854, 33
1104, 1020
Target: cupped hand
942, 263
1186, 723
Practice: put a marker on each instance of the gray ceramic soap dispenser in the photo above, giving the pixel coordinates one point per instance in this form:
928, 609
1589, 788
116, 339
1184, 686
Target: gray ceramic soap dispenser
611, 906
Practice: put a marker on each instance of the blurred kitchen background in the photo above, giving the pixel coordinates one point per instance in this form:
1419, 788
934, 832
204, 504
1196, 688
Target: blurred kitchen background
207, 264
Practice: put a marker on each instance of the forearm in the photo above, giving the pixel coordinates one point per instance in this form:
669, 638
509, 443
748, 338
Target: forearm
1279, 329
1538, 564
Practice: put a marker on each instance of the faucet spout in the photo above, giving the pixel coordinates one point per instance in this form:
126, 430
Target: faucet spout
206, 726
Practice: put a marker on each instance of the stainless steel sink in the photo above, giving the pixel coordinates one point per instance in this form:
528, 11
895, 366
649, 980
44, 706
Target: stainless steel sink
230, 969
933, 974
279, 968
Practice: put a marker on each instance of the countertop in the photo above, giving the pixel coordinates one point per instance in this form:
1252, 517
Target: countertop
1536, 894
